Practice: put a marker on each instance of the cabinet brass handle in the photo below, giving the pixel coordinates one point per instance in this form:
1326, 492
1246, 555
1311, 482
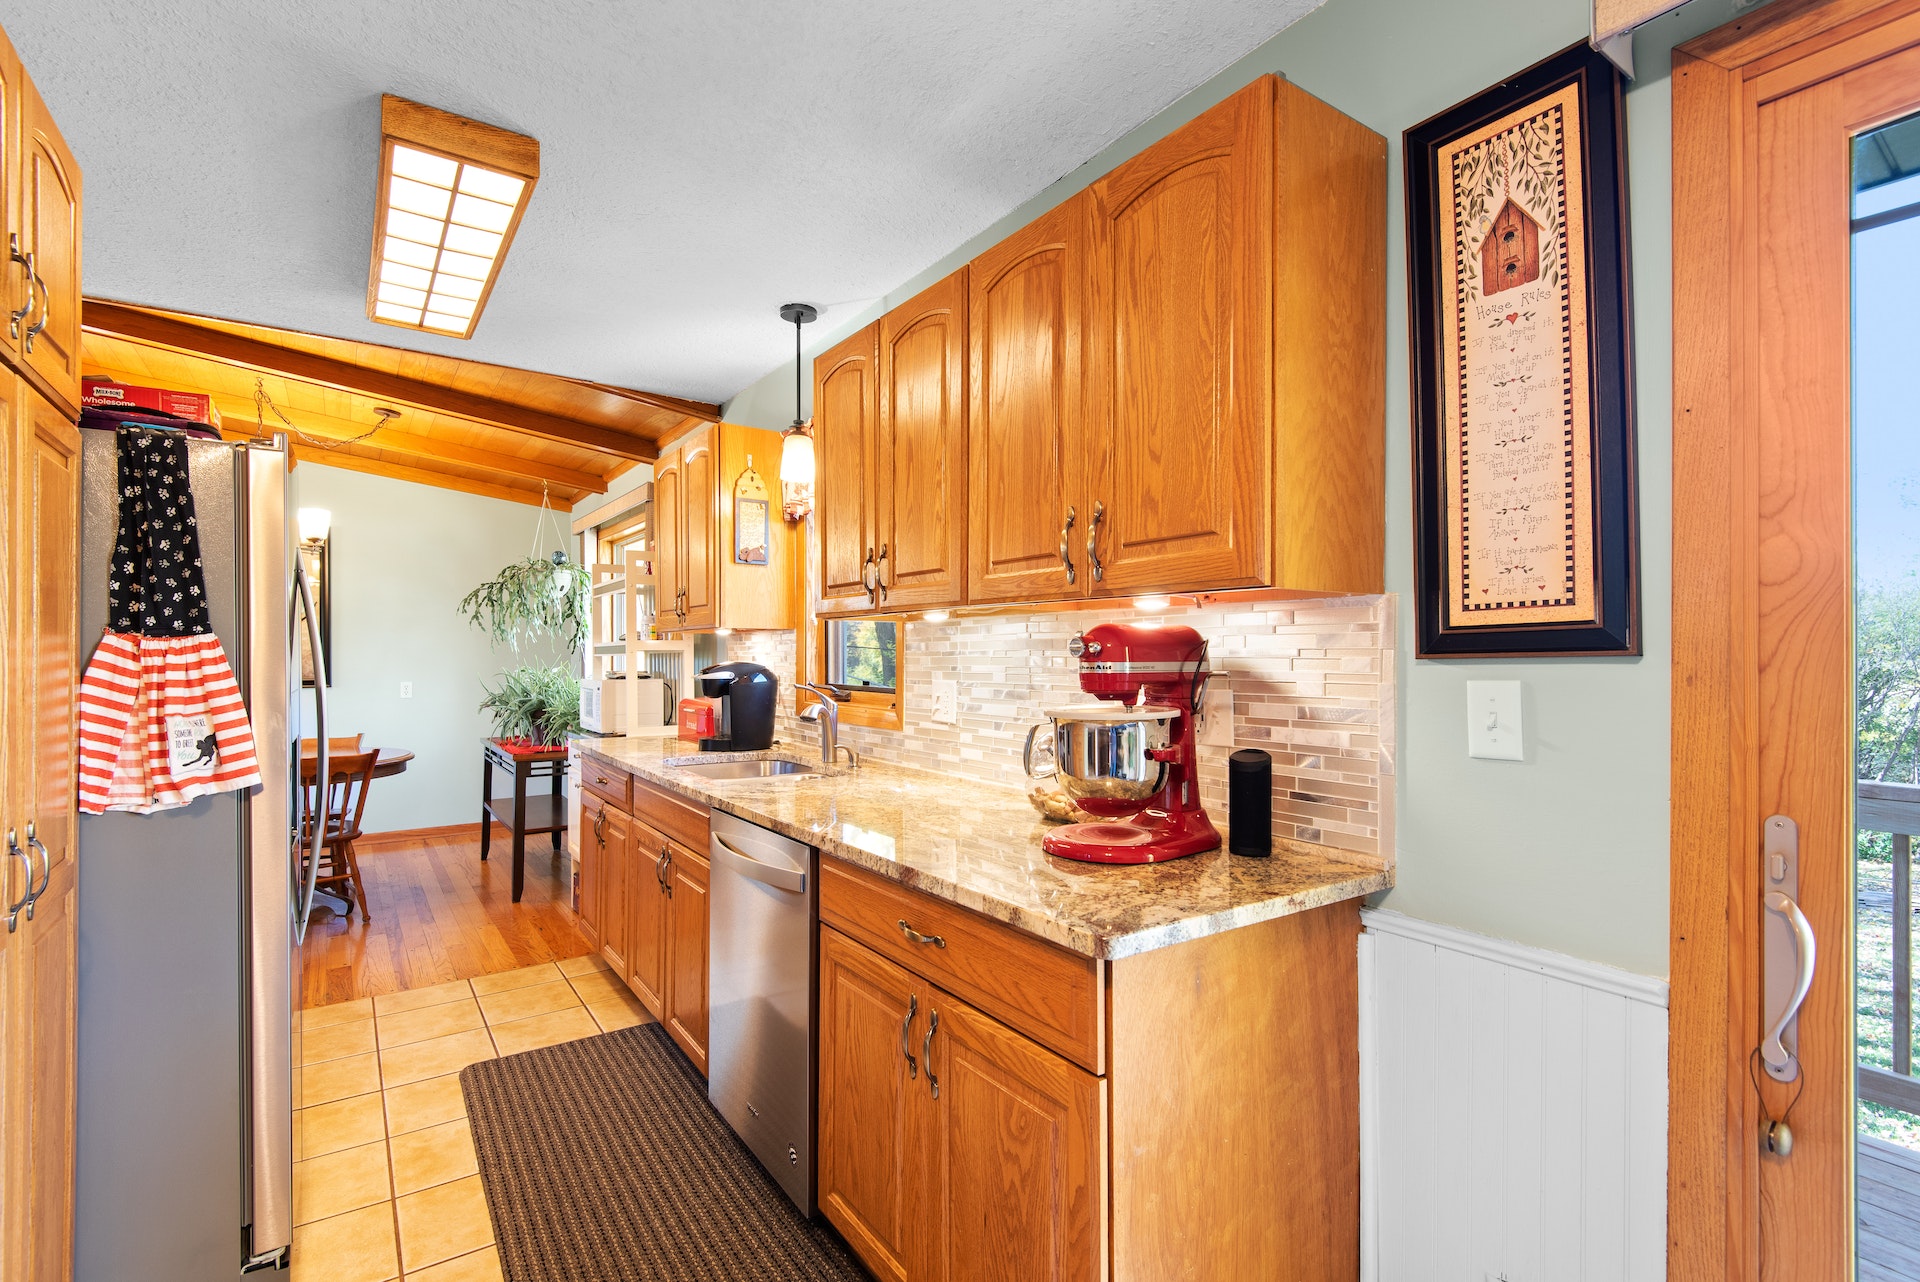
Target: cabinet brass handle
1066, 555
46, 869
600, 828
906, 1025
46, 315
866, 573
880, 577
13, 909
915, 937
1093, 540
926, 1051
666, 869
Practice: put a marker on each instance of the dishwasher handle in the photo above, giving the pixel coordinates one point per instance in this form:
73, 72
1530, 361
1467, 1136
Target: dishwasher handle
790, 879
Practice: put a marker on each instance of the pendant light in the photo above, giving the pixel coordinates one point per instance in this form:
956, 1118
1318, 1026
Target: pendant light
796, 446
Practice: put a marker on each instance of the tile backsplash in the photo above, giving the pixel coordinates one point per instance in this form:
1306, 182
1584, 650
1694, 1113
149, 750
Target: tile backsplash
1310, 681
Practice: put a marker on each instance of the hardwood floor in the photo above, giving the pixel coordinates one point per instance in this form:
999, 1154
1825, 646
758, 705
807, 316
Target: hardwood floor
440, 914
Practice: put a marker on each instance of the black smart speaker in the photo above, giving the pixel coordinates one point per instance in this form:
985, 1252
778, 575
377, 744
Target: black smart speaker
1250, 803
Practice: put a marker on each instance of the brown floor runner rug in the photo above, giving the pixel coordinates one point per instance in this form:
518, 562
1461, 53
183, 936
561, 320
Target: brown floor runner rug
603, 1162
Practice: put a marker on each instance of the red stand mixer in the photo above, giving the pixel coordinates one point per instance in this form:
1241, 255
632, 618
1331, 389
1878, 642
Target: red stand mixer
1131, 759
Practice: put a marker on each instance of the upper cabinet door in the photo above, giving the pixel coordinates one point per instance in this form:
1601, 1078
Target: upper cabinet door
50, 233
669, 542
846, 413
920, 483
700, 497
1180, 366
15, 293
1028, 503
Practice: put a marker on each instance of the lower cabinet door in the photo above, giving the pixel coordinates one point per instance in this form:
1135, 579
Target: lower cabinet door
593, 863
1015, 1167
647, 897
615, 887
686, 1013
872, 1015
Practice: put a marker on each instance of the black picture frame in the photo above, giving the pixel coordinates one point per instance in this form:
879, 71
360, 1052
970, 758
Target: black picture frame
1614, 628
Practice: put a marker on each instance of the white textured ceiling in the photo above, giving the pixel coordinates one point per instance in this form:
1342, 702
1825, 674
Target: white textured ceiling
701, 161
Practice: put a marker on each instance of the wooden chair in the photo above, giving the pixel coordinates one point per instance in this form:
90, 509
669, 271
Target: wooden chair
350, 778
335, 744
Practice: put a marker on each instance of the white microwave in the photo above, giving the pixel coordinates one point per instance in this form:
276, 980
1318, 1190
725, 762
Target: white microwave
603, 705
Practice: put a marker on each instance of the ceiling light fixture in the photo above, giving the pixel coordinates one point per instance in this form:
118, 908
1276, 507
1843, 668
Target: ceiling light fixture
451, 194
796, 444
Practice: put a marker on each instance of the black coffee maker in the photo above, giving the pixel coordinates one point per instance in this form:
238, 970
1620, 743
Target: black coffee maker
747, 694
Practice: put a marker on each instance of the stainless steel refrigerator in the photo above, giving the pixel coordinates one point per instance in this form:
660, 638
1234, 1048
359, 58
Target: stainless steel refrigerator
190, 926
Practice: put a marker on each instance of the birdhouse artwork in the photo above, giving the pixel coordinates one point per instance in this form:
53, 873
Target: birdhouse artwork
1510, 255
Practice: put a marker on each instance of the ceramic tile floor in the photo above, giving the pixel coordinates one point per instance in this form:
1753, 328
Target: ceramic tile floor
385, 1185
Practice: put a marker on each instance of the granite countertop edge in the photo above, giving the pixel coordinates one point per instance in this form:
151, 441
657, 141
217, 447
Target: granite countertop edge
1356, 876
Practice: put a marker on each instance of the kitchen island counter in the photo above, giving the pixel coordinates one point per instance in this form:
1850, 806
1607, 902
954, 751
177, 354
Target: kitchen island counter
977, 845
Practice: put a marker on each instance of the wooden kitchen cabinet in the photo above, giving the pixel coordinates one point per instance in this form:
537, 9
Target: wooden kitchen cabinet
869, 1009
646, 968
616, 890
951, 1146
50, 236
920, 456
1122, 1158
699, 582
685, 1000
39, 665
1027, 456
846, 414
593, 862
1236, 353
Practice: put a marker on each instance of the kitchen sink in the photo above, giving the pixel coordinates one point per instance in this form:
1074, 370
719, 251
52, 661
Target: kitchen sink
770, 768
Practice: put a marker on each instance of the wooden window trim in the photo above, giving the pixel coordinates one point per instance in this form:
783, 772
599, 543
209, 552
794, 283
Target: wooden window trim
1719, 82
875, 711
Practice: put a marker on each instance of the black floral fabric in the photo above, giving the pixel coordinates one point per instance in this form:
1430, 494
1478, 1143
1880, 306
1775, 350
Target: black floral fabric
157, 588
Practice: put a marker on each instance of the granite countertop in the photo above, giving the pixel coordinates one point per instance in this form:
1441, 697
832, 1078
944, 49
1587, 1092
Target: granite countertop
978, 845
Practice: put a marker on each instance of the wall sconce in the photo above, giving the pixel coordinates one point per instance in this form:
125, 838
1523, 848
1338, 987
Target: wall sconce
314, 523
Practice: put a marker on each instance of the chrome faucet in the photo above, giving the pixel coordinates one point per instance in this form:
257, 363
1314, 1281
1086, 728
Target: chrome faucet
826, 710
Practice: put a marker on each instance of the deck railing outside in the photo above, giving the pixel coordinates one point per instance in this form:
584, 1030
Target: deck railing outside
1895, 808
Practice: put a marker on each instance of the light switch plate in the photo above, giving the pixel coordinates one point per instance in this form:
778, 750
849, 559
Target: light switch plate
946, 702
1494, 729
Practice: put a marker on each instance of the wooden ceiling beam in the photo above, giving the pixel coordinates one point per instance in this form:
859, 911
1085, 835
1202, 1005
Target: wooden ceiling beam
700, 410
511, 467
419, 475
139, 325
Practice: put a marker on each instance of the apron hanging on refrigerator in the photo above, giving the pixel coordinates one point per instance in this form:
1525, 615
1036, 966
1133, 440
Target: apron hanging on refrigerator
161, 718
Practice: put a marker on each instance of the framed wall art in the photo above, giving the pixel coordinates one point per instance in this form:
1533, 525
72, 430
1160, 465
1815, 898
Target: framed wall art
1525, 520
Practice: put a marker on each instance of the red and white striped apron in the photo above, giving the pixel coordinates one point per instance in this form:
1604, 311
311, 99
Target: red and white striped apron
161, 717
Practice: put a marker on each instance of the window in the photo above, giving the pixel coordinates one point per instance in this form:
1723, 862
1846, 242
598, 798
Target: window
863, 654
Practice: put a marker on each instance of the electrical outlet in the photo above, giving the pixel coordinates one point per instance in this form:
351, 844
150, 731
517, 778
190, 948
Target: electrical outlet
406, 689
946, 702
1216, 715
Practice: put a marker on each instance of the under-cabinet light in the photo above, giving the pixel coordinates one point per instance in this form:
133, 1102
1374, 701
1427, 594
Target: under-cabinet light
1150, 603
451, 194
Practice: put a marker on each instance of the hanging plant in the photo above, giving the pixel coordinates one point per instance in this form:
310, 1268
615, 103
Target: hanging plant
536, 707
532, 599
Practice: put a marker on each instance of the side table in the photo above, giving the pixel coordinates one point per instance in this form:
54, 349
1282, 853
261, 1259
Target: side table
524, 814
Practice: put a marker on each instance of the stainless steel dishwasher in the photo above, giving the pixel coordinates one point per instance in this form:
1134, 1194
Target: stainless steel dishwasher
762, 992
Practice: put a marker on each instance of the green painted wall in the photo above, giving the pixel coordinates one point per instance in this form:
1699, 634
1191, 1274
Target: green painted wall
1566, 850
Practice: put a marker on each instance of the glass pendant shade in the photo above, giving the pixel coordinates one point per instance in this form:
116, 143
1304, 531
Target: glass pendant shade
796, 457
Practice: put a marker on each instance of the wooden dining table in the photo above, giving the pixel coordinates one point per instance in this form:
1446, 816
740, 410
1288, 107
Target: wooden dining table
392, 761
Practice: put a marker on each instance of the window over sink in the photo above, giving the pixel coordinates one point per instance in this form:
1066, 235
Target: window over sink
863, 654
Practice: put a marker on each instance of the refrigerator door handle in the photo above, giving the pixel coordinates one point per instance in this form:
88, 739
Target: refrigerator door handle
322, 776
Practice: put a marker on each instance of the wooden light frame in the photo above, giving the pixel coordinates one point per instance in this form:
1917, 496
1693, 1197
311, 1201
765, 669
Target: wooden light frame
456, 138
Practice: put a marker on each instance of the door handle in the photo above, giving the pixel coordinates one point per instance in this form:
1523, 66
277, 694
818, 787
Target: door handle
758, 869
880, 577
1787, 948
26, 308
1093, 541
906, 1027
14, 852
46, 303
46, 869
926, 1051
1066, 555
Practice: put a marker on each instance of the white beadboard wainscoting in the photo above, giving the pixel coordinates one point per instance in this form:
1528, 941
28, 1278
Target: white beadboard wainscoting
1513, 1112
